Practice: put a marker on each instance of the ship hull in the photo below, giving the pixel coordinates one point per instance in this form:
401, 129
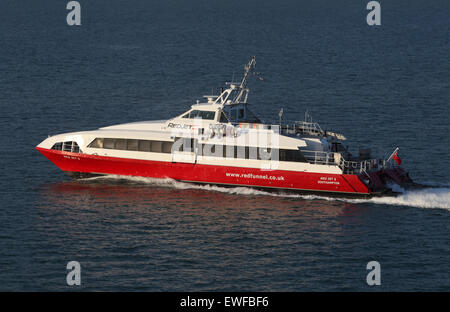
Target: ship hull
84, 165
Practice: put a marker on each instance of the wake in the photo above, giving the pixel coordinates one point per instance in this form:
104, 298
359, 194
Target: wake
435, 195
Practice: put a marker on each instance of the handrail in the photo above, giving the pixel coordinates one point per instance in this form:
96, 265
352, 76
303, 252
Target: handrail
347, 166
308, 127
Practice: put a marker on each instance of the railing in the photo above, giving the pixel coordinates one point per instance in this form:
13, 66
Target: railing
362, 166
308, 127
321, 158
347, 166
302, 127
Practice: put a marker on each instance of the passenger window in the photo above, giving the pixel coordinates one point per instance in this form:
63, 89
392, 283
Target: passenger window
97, 143
121, 144
132, 145
144, 145
229, 151
108, 143
167, 147
156, 147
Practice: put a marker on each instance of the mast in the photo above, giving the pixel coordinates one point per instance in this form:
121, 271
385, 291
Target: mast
247, 68
241, 90
250, 65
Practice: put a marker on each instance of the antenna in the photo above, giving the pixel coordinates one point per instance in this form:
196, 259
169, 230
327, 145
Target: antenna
240, 90
247, 68
250, 65
280, 114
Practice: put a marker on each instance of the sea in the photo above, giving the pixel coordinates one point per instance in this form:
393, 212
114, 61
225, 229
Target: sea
382, 86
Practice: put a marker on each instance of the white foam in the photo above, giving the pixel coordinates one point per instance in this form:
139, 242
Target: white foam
438, 197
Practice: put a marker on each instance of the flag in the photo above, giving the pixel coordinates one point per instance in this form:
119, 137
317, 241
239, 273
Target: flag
397, 159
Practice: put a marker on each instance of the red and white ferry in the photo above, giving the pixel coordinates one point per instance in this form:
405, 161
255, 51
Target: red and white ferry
221, 141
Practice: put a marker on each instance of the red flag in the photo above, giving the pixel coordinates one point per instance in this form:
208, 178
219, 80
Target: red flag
397, 159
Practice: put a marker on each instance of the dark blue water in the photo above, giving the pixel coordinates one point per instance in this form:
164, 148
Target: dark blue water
380, 86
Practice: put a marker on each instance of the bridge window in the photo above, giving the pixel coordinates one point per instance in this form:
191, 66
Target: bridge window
57, 146
68, 146
208, 115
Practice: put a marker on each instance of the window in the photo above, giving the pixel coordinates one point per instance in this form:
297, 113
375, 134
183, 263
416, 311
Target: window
241, 113
241, 152
251, 117
133, 145
97, 143
69, 146
185, 144
212, 150
229, 151
167, 147
129, 145
108, 143
252, 152
144, 145
156, 147
226, 151
57, 146
223, 118
291, 155
121, 144
232, 114
200, 114
264, 153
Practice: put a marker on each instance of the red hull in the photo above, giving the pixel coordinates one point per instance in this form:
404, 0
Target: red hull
279, 179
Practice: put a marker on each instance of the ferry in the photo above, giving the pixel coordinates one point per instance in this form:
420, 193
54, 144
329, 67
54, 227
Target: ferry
221, 141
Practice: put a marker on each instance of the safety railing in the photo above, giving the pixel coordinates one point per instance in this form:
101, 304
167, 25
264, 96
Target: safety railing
312, 128
347, 166
322, 158
363, 166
